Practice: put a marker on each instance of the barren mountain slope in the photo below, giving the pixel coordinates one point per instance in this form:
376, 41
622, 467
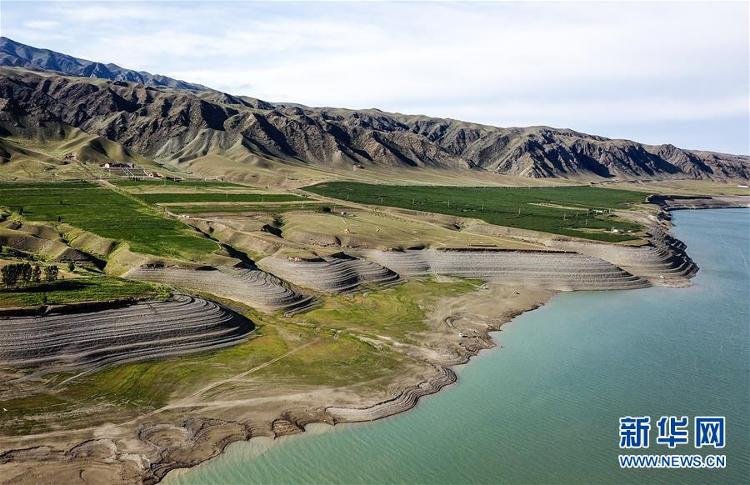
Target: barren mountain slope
174, 125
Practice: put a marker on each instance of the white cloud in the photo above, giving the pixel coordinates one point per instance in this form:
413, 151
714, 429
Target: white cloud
88, 12
42, 24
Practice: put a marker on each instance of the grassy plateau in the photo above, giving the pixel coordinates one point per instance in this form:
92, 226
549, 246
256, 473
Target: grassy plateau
106, 213
573, 211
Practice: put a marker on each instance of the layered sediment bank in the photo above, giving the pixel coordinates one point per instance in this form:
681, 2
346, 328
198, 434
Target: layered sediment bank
553, 270
339, 273
663, 262
90, 340
252, 287
404, 401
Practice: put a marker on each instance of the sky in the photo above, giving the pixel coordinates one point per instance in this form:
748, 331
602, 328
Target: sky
674, 72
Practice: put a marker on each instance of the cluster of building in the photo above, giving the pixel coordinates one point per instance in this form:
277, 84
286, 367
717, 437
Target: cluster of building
127, 170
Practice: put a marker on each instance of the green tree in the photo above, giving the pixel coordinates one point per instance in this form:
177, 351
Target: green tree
9, 275
71, 266
25, 273
36, 274
17, 274
51, 273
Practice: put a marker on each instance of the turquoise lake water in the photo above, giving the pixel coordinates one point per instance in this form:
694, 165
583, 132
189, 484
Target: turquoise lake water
545, 407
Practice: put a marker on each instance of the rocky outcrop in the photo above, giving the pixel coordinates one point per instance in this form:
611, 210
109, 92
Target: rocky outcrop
177, 126
92, 339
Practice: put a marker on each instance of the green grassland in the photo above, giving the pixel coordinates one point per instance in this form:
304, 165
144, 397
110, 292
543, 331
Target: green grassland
174, 183
396, 312
186, 197
238, 208
108, 214
97, 288
334, 360
559, 210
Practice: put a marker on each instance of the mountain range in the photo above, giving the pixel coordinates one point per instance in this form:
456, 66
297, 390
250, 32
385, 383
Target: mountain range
15, 54
174, 122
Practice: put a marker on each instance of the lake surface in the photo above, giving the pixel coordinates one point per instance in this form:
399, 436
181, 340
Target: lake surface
545, 407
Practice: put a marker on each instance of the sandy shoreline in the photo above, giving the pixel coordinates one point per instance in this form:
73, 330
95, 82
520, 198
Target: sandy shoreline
145, 450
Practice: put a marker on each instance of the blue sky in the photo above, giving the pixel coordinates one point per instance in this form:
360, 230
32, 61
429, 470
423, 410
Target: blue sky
673, 72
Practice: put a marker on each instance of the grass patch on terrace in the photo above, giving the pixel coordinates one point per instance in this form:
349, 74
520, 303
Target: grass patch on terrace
187, 197
151, 383
334, 360
559, 210
106, 213
397, 312
130, 389
98, 288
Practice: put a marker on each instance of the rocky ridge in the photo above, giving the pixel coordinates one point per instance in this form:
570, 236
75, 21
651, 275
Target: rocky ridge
14, 53
178, 126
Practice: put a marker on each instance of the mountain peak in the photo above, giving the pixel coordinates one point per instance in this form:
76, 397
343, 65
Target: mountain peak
16, 54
